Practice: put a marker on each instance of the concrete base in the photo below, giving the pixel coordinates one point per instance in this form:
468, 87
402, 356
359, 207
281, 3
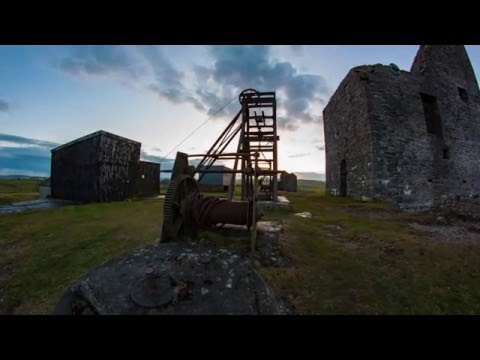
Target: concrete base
174, 279
263, 226
282, 204
268, 241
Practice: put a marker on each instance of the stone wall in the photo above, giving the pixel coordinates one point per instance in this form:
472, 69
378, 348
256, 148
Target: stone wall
405, 154
348, 137
380, 114
444, 69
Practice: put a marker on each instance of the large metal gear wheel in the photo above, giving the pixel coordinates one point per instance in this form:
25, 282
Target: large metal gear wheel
180, 195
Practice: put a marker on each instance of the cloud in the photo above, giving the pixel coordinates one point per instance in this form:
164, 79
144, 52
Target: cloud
319, 144
284, 123
167, 81
203, 73
145, 65
213, 102
233, 68
24, 156
298, 155
297, 49
239, 67
144, 156
4, 106
22, 141
100, 60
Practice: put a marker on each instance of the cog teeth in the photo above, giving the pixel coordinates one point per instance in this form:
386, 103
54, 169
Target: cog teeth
167, 206
175, 194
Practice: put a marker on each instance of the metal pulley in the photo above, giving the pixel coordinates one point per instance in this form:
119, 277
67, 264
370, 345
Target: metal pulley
247, 93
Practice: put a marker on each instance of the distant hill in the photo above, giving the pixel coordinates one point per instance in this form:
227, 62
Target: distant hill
21, 177
310, 176
310, 183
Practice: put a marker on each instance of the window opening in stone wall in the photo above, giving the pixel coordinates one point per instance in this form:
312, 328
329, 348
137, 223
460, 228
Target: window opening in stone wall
463, 94
446, 153
343, 178
432, 115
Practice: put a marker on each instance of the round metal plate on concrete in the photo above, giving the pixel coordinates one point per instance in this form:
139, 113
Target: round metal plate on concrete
153, 292
176, 278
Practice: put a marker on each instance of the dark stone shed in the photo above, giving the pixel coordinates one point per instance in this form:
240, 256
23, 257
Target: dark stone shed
101, 167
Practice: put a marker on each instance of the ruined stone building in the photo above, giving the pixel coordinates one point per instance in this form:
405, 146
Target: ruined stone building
411, 138
288, 182
102, 167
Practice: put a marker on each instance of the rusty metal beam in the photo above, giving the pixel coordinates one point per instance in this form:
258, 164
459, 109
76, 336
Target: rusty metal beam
231, 186
264, 172
220, 155
212, 148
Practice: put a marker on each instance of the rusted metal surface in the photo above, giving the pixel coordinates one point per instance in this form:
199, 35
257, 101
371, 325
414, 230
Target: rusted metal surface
256, 156
212, 211
177, 212
186, 210
258, 134
219, 155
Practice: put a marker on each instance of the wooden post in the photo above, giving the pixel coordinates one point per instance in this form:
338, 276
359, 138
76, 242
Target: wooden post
254, 205
244, 149
275, 161
232, 180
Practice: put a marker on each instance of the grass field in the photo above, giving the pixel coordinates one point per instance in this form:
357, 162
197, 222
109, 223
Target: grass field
43, 252
18, 190
350, 257
354, 257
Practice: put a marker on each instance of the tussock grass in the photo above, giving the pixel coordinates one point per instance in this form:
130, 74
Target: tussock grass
357, 257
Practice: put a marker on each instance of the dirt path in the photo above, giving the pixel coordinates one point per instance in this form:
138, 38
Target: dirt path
39, 204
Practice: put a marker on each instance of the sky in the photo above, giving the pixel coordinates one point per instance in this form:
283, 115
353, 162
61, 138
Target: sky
157, 95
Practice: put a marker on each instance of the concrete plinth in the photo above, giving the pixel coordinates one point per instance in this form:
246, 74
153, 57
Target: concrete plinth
282, 204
